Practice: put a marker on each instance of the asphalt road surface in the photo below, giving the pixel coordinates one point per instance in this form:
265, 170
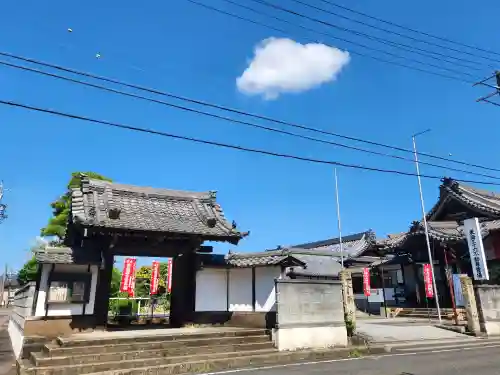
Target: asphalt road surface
483, 361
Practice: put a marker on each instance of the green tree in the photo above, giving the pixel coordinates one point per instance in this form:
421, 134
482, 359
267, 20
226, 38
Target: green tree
56, 226
143, 281
28, 272
116, 279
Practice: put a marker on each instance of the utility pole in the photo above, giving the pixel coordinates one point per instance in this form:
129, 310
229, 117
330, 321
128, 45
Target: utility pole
3, 207
431, 261
338, 220
492, 82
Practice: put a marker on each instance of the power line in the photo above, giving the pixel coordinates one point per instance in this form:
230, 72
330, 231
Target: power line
236, 121
484, 82
358, 33
410, 29
398, 34
230, 146
354, 52
398, 45
224, 108
424, 53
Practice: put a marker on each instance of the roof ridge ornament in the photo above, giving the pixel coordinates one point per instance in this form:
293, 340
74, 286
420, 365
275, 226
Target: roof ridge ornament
450, 183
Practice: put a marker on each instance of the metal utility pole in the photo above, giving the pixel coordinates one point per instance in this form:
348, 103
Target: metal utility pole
3, 207
431, 261
338, 220
489, 82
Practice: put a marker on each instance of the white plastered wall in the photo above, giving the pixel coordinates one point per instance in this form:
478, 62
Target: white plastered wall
66, 309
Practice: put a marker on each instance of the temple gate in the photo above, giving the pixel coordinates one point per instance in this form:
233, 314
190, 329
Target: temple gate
109, 219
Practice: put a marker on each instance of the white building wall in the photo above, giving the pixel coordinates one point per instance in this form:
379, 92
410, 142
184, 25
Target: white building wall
211, 290
265, 292
69, 308
240, 289
212, 286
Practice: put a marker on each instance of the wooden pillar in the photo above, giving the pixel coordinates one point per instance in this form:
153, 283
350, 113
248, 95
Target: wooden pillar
183, 294
103, 290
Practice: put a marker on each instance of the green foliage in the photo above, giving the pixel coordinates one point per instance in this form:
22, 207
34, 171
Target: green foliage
62, 206
355, 353
123, 307
28, 272
350, 325
116, 279
142, 281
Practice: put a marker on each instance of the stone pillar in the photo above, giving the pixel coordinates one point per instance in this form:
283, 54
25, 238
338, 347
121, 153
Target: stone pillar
348, 297
183, 297
488, 304
470, 304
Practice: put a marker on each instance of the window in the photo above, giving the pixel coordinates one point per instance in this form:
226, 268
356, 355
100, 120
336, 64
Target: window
68, 288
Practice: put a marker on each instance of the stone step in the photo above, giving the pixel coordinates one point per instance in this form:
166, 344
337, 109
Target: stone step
42, 360
250, 361
53, 350
139, 363
166, 336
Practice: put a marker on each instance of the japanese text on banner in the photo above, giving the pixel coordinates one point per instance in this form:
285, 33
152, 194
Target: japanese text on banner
125, 282
155, 268
131, 286
429, 291
366, 281
169, 276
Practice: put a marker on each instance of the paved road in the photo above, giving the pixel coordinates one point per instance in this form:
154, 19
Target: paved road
6, 356
484, 361
381, 331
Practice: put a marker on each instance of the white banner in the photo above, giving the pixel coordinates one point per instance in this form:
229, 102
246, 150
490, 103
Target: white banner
476, 249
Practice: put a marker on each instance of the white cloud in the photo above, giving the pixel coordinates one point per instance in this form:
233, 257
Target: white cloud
283, 65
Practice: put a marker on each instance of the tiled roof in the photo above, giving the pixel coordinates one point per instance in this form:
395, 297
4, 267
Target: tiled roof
112, 206
352, 245
438, 230
477, 199
318, 265
265, 258
67, 255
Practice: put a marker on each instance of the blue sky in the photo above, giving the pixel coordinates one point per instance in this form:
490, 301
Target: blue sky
181, 48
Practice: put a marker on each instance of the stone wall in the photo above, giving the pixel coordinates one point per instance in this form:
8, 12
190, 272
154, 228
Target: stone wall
22, 309
310, 314
488, 306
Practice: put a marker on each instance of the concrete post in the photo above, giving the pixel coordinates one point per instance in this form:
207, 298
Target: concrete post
470, 304
348, 297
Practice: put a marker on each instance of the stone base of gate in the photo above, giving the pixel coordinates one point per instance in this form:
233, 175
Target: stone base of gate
54, 326
319, 337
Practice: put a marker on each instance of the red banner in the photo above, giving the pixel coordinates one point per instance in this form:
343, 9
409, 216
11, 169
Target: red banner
125, 283
155, 273
169, 276
131, 285
366, 281
429, 291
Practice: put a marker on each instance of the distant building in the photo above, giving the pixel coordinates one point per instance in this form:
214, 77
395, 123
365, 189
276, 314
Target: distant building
8, 285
